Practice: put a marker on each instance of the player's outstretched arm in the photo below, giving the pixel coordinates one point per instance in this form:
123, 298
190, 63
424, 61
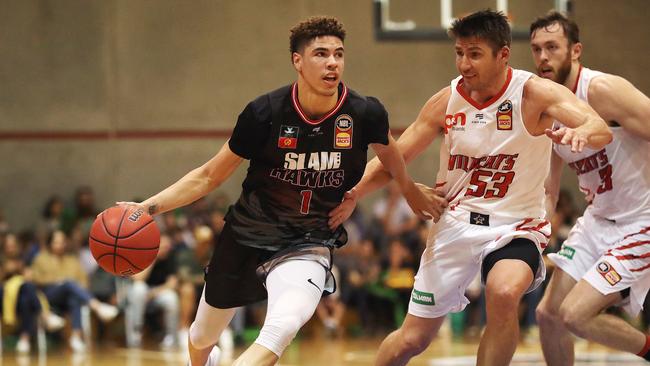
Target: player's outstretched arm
195, 184
412, 142
617, 100
425, 207
547, 101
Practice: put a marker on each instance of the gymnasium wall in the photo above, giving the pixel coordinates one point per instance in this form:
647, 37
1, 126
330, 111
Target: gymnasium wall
97, 68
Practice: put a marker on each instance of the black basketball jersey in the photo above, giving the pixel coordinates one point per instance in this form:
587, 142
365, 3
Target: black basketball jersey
299, 168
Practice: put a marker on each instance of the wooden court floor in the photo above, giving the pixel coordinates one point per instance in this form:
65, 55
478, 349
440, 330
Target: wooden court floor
322, 351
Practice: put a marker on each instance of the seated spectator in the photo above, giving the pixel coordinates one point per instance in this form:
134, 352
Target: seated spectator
20, 306
64, 283
82, 213
155, 287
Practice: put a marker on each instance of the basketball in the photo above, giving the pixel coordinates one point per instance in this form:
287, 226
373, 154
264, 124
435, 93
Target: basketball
124, 240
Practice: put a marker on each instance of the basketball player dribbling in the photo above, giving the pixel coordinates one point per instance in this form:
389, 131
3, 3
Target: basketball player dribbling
494, 161
307, 145
605, 260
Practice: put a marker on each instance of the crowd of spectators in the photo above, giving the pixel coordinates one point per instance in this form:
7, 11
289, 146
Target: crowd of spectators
48, 276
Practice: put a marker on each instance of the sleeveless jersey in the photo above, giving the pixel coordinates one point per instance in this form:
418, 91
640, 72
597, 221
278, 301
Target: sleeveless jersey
490, 164
300, 168
616, 178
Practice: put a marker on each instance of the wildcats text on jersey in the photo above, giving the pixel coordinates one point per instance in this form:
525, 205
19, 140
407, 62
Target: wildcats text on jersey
496, 162
592, 162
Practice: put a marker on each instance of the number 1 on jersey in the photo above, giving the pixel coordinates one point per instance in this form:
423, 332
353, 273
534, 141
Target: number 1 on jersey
306, 200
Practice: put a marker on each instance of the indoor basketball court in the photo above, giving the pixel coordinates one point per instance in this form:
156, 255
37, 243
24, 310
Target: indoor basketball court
126, 96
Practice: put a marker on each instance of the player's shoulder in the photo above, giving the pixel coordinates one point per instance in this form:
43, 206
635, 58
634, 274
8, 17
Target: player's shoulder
606, 85
439, 99
536, 88
263, 105
365, 104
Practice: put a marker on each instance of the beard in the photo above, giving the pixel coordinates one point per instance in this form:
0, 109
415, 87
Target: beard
563, 71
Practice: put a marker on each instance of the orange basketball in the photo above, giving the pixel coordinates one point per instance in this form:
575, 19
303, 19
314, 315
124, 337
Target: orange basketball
124, 240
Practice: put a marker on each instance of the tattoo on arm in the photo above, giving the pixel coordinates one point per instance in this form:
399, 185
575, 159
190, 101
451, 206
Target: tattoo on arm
153, 209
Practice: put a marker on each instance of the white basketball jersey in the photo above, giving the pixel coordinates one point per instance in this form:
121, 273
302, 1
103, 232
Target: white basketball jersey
616, 179
490, 164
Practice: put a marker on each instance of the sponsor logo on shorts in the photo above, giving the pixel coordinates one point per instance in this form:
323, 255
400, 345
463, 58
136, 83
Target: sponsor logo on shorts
422, 298
567, 251
608, 272
479, 219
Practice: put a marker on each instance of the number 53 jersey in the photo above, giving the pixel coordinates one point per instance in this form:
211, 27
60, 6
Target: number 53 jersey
490, 164
299, 168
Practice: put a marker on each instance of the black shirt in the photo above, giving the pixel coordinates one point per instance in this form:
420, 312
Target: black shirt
299, 168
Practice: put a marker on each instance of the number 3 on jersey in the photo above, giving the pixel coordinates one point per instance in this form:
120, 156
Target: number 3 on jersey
500, 183
306, 200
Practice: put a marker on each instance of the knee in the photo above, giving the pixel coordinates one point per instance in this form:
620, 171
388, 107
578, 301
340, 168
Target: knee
546, 314
201, 337
573, 320
169, 300
414, 343
278, 331
504, 298
70, 285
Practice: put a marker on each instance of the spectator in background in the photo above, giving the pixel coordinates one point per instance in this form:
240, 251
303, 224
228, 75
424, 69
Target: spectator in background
64, 283
4, 225
394, 219
52, 216
331, 309
20, 306
155, 287
82, 213
361, 272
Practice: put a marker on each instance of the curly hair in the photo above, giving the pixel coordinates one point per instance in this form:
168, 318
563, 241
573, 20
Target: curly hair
303, 32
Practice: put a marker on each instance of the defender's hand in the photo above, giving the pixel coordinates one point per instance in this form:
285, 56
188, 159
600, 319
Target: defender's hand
343, 211
426, 202
568, 136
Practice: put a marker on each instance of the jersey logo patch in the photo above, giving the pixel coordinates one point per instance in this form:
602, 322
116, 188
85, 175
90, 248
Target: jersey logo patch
608, 272
343, 132
288, 137
504, 116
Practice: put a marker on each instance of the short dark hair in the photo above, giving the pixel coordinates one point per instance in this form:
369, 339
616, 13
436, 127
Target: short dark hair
303, 32
491, 26
570, 27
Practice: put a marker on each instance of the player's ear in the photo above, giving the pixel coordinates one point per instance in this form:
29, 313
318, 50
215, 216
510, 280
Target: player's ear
296, 59
504, 53
576, 51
